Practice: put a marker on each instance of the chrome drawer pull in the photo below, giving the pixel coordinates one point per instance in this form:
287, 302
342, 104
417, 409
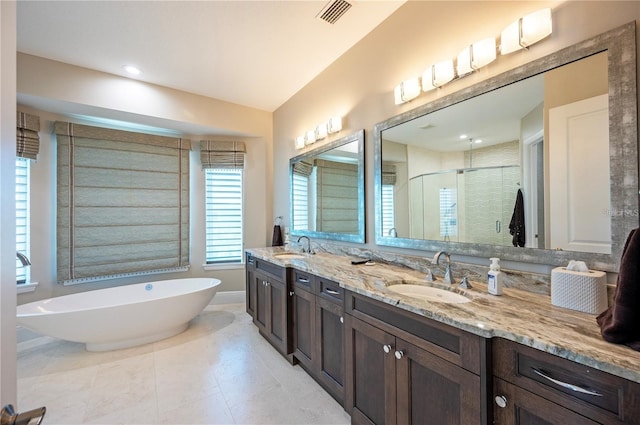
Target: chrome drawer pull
331, 292
566, 385
303, 280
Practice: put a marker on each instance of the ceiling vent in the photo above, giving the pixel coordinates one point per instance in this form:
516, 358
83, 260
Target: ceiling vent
334, 10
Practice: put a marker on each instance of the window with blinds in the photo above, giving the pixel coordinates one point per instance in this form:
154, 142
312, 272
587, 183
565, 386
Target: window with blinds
122, 203
224, 215
300, 201
448, 213
22, 217
388, 218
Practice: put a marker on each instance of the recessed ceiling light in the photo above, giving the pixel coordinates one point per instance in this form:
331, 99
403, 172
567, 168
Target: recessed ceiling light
463, 136
478, 140
132, 70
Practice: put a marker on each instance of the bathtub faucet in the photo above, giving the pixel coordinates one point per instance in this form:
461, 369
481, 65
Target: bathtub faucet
23, 259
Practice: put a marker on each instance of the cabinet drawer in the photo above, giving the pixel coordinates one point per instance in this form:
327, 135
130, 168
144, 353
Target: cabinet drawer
270, 269
331, 291
302, 280
250, 262
452, 344
598, 395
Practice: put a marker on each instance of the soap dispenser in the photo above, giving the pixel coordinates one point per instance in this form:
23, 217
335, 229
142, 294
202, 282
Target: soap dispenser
494, 280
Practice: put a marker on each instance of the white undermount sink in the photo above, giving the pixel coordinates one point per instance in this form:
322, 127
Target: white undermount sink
429, 293
288, 255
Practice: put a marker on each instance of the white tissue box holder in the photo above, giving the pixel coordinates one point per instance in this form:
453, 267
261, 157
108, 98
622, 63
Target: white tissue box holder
581, 291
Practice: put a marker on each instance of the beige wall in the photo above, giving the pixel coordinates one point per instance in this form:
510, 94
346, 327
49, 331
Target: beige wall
89, 92
359, 85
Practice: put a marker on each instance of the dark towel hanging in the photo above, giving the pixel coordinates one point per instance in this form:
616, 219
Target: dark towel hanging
516, 226
277, 236
619, 323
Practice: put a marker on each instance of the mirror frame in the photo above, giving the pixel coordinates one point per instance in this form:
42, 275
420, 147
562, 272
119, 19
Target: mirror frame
344, 237
620, 44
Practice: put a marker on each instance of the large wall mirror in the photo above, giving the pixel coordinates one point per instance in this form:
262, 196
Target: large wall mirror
327, 191
539, 164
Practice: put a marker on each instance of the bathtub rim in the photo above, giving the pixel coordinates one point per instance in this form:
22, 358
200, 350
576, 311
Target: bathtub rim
216, 282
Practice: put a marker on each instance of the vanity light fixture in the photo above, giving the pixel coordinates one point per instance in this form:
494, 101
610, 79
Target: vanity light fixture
521, 34
335, 124
437, 75
476, 55
310, 137
407, 90
321, 131
526, 31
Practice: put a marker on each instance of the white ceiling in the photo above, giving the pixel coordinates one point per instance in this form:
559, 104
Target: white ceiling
253, 53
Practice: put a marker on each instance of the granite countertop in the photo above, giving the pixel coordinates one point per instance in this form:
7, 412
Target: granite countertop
517, 315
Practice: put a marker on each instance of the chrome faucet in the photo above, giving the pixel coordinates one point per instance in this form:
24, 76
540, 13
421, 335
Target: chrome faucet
23, 259
447, 268
393, 232
308, 250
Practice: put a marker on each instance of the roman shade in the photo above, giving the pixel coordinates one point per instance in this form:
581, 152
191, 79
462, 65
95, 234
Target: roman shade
122, 203
303, 168
337, 197
222, 154
27, 139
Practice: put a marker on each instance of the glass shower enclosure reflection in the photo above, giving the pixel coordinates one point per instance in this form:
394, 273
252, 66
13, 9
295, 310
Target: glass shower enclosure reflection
464, 205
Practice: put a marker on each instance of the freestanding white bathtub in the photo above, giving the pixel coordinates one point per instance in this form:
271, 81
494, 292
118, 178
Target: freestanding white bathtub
123, 316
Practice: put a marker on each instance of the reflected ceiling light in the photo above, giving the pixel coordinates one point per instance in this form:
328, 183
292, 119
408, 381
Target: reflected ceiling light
476, 56
438, 75
526, 31
478, 141
334, 125
133, 70
299, 142
463, 136
407, 90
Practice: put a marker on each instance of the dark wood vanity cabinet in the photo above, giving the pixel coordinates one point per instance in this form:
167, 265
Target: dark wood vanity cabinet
318, 337
531, 387
402, 368
268, 295
251, 287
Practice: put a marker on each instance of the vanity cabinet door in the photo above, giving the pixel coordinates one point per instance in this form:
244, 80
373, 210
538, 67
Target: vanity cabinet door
251, 286
261, 315
278, 318
371, 374
516, 406
304, 327
330, 346
430, 390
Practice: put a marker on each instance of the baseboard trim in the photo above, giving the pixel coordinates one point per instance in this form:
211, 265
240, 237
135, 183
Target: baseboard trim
228, 297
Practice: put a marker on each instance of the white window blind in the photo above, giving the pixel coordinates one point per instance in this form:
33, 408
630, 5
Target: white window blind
122, 203
22, 217
224, 215
388, 219
300, 201
448, 213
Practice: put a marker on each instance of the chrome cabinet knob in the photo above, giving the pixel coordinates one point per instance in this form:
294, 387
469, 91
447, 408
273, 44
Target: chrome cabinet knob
386, 348
291, 293
341, 319
501, 401
399, 355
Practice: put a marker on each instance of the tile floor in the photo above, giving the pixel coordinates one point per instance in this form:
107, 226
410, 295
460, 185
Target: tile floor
219, 371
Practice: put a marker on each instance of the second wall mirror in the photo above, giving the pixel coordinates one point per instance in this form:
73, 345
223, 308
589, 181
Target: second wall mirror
327, 191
